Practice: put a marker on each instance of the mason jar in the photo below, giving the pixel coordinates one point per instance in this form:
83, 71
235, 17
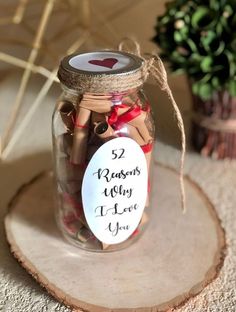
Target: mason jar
103, 134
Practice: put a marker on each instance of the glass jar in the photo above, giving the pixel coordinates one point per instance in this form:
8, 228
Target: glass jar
103, 135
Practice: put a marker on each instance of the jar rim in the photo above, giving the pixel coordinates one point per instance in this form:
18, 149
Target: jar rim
127, 74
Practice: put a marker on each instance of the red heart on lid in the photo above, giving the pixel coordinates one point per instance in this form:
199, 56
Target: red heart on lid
107, 62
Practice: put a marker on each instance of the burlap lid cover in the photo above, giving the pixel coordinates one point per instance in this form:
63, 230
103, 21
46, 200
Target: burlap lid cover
102, 71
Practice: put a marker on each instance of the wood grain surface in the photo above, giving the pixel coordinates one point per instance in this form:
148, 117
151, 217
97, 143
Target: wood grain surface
173, 261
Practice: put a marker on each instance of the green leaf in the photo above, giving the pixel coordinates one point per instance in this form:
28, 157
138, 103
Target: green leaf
195, 87
232, 3
184, 32
192, 45
233, 44
198, 15
228, 9
203, 45
206, 64
216, 47
179, 14
187, 19
165, 19
176, 57
214, 4
205, 91
231, 63
217, 68
179, 71
196, 57
172, 12
207, 38
232, 87
219, 28
203, 18
206, 78
178, 36
233, 22
215, 82
193, 71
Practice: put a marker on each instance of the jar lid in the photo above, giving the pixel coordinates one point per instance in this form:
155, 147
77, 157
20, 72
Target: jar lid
101, 71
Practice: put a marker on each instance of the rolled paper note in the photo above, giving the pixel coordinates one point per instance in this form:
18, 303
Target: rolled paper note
132, 132
118, 111
70, 222
149, 124
91, 151
139, 123
70, 187
132, 98
144, 218
69, 175
147, 149
105, 246
73, 186
80, 140
74, 203
94, 139
69, 171
68, 113
85, 236
97, 117
96, 103
123, 110
104, 131
148, 157
64, 143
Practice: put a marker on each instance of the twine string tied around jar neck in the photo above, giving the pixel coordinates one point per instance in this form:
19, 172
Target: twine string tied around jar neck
154, 67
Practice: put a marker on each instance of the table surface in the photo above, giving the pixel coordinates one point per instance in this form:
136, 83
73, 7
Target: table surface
159, 270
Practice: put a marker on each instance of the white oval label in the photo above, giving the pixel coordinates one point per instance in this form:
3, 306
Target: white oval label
114, 190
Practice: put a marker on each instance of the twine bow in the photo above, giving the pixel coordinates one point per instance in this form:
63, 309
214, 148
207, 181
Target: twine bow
153, 66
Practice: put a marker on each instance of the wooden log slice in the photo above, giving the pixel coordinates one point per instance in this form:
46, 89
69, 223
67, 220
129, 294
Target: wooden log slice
174, 260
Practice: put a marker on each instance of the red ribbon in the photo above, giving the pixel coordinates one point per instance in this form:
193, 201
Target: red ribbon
114, 114
76, 205
147, 108
118, 121
147, 148
77, 125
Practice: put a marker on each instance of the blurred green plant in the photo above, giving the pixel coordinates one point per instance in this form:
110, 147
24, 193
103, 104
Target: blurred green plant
198, 37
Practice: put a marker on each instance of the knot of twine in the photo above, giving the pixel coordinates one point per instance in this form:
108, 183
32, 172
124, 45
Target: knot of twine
153, 66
